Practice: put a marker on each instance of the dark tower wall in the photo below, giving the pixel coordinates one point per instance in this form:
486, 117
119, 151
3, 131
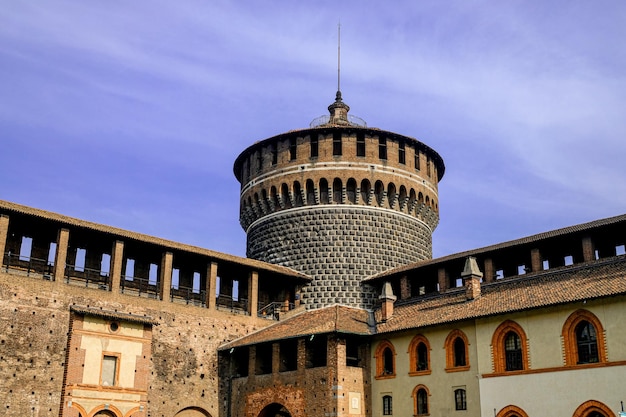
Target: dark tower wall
339, 201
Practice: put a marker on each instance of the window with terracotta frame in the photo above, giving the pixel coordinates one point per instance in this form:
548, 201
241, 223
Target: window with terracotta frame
510, 348
419, 356
583, 339
385, 360
593, 408
420, 400
511, 411
457, 357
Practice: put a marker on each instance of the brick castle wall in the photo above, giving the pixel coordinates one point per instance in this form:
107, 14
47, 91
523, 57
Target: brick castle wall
34, 328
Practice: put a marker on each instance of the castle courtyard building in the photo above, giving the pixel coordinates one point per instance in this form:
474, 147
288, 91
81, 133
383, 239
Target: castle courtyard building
339, 308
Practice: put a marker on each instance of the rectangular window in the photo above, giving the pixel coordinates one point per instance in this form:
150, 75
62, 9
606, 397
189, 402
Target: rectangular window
428, 166
460, 402
109, 370
360, 144
292, 149
401, 153
337, 144
387, 405
417, 160
314, 146
259, 161
274, 153
382, 148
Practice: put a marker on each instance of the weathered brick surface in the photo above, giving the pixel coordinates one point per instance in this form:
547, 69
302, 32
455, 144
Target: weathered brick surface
34, 327
338, 247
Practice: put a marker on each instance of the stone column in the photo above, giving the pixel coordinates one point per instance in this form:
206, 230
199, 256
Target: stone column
211, 284
275, 358
117, 256
442, 278
253, 293
405, 288
589, 250
535, 260
60, 256
490, 273
4, 231
165, 278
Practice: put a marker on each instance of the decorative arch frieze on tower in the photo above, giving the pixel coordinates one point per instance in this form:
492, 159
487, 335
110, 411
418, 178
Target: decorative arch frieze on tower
339, 201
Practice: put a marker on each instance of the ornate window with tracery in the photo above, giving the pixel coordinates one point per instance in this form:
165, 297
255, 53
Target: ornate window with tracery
420, 400
419, 356
510, 348
385, 360
456, 345
583, 339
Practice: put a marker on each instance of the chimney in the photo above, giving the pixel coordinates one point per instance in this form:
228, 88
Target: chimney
388, 299
471, 278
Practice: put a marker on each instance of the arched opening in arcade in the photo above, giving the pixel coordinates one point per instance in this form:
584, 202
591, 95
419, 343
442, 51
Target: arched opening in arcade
275, 410
193, 412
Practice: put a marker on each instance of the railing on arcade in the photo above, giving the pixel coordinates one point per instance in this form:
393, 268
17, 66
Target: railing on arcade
90, 278
235, 305
188, 295
28, 266
273, 310
141, 287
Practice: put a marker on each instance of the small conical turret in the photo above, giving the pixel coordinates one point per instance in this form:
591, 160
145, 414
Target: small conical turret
338, 111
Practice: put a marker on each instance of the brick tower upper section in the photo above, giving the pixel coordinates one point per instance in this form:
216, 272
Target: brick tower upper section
339, 201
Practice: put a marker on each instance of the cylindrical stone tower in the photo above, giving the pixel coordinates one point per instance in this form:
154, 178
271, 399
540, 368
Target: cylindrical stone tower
339, 201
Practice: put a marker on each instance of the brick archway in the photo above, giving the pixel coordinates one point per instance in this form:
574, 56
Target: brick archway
275, 410
512, 411
591, 408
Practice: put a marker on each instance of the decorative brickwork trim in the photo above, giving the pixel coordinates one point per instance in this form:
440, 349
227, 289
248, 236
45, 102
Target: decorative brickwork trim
414, 395
593, 406
570, 345
511, 411
414, 356
450, 353
497, 346
380, 360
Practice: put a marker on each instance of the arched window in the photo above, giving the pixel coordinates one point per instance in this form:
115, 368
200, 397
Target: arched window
391, 195
583, 339
297, 191
385, 360
337, 191
511, 411
420, 400
274, 198
310, 192
324, 191
459, 352
460, 399
509, 348
379, 191
402, 198
513, 352
419, 356
366, 188
284, 195
351, 190
387, 405
593, 408
456, 346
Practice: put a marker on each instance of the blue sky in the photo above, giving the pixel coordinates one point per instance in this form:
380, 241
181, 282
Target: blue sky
131, 113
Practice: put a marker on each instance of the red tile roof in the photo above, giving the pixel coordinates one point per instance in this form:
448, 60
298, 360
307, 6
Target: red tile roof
598, 279
333, 319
